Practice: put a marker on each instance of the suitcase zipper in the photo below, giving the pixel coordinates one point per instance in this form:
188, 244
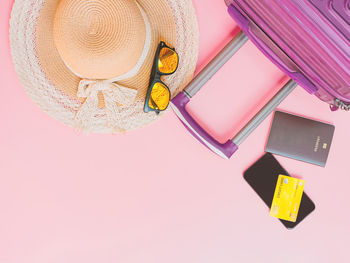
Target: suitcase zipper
338, 104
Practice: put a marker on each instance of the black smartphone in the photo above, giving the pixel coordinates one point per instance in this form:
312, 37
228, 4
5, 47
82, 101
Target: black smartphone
263, 176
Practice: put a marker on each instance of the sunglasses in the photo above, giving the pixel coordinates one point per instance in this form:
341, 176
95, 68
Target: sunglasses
165, 63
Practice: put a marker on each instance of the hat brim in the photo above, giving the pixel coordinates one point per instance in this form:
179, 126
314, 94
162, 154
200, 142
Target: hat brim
54, 87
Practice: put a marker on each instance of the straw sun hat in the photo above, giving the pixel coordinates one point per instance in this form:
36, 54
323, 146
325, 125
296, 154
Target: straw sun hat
87, 63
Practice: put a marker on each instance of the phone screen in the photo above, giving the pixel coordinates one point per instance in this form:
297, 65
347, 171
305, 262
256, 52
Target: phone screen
263, 177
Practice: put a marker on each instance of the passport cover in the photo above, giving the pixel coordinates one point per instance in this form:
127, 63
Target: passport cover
300, 138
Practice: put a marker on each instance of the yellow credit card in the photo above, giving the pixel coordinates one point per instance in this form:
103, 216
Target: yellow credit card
287, 198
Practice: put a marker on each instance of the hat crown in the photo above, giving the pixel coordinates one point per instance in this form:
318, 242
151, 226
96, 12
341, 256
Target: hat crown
99, 39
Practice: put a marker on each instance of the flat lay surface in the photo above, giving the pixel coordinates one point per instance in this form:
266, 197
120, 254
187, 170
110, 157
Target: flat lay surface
155, 194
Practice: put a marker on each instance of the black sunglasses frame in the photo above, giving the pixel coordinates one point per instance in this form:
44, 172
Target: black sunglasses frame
156, 78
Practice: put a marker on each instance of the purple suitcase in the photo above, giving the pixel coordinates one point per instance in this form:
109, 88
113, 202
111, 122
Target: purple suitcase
307, 39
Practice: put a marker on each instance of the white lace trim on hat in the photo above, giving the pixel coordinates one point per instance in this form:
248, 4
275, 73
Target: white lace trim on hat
112, 91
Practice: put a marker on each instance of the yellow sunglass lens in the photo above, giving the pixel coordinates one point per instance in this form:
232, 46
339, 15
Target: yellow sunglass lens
160, 97
168, 61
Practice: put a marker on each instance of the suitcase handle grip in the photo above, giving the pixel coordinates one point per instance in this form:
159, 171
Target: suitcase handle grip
282, 61
179, 104
227, 149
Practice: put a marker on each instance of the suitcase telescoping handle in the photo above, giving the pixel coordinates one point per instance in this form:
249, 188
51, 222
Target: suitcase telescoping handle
180, 102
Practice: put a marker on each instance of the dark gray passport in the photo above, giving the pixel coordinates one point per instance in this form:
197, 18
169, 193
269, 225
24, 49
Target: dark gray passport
300, 138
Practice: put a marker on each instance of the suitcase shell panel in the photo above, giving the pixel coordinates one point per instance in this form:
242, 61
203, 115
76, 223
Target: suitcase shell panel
311, 37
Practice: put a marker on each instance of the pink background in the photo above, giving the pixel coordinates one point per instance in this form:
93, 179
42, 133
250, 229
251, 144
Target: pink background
156, 195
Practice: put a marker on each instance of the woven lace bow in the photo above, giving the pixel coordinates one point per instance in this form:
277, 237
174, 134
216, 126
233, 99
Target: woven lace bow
114, 96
